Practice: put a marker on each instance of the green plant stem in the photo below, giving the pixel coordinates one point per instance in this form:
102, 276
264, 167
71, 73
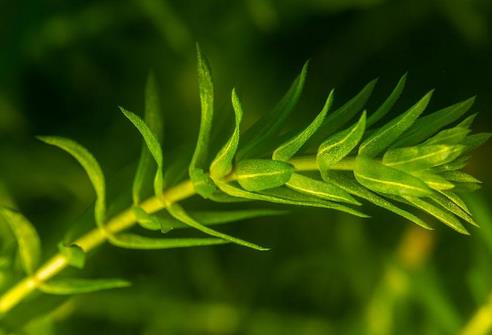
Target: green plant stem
120, 222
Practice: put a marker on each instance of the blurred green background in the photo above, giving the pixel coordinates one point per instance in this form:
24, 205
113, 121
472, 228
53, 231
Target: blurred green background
65, 66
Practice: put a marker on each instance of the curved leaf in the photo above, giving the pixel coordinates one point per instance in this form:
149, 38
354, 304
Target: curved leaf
262, 174
421, 157
71, 286
385, 108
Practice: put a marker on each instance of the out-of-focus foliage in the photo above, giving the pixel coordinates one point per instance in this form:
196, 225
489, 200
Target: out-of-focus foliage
65, 66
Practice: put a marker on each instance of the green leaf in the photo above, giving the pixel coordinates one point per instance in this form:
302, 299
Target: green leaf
472, 142
29, 245
151, 222
71, 286
449, 205
448, 136
261, 174
340, 117
457, 164
433, 180
91, 167
467, 122
266, 128
440, 214
456, 199
74, 254
390, 132
220, 217
460, 177
421, 157
133, 241
206, 88
222, 164
383, 179
288, 149
154, 121
179, 213
152, 144
432, 123
336, 147
319, 189
348, 184
385, 108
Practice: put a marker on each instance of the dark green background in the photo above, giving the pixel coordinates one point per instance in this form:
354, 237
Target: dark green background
65, 66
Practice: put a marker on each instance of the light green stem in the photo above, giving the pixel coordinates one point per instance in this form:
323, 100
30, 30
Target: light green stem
121, 222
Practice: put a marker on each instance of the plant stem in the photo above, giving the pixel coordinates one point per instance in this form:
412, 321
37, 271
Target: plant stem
121, 222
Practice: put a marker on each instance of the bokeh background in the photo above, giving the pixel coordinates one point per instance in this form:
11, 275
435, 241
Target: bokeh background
65, 66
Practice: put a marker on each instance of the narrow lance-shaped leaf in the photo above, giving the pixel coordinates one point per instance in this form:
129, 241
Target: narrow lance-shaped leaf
287, 150
259, 136
74, 254
336, 147
389, 133
28, 243
467, 122
385, 108
206, 89
448, 136
179, 213
153, 119
449, 205
421, 157
222, 164
351, 186
152, 144
456, 199
261, 174
91, 167
440, 214
383, 179
472, 142
71, 286
432, 123
460, 177
137, 242
340, 117
432, 180
319, 189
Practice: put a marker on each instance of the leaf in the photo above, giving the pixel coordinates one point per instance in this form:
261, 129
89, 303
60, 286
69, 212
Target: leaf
200, 155
133, 241
472, 142
222, 164
152, 144
457, 164
385, 108
351, 186
449, 136
443, 216
432, 123
383, 179
390, 132
79, 286
432, 180
151, 222
219, 217
262, 132
154, 121
261, 174
460, 177
319, 189
340, 117
336, 147
91, 167
467, 122
179, 213
288, 149
29, 245
449, 205
456, 199
421, 157
74, 254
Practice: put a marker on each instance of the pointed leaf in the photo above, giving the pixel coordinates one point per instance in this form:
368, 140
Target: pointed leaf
133, 241
421, 157
71, 286
267, 127
383, 179
336, 147
74, 254
390, 132
385, 108
432, 180
348, 184
288, 149
474, 141
452, 207
152, 144
442, 215
222, 164
432, 123
91, 167
460, 177
154, 121
456, 199
448, 136
319, 189
179, 213
261, 174
29, 245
